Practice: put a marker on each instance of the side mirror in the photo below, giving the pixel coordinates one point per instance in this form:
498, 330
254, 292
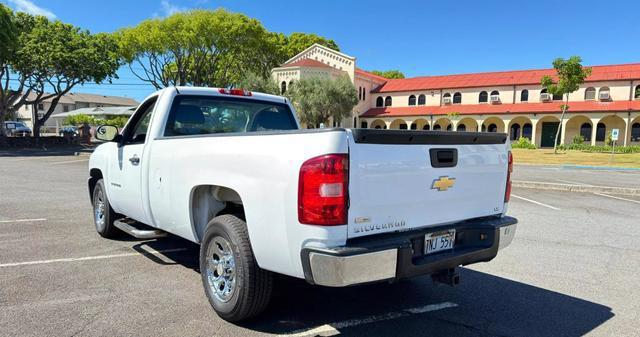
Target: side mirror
107, 133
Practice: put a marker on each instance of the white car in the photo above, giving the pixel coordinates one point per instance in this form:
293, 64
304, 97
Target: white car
232, 171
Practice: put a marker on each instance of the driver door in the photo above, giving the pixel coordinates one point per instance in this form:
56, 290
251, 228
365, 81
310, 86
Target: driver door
125, 173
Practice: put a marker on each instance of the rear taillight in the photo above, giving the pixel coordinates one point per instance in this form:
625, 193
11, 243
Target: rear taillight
507, 192
322, 190
235, 92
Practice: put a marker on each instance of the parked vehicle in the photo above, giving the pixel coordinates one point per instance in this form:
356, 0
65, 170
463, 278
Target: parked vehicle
17, 129
232, 171
68, 130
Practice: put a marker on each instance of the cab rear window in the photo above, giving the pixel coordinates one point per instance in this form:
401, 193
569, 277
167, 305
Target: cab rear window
201, 115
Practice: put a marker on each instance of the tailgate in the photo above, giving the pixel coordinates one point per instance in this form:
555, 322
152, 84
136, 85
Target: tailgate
395, 185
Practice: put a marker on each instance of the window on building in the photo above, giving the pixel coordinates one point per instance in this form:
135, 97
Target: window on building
422, 99
414, 126
495, 93
492, 128
40, 106
585, 131
447, 95
364, 94
426, 127
514, 134
457, 98
603, 91
283, 87
462, 127
524, 95
483, 98
360, 93
635, 132
437, 127
590, 93
363, 124
412, 100
601, 131
403, 126
387, 101
449, 127
379, 101
65, 108
557, 97
636, 95
526, 130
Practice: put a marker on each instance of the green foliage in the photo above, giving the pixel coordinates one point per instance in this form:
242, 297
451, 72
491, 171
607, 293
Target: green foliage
600, 148
571, 74
577, 139
390, 74
297, 42
254, 82
523, 143
79, 119
318, 99
198, 47
8, 33
117, 121
637, 94
609, 140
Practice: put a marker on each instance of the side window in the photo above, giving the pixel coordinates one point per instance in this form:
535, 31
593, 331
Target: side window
141, 120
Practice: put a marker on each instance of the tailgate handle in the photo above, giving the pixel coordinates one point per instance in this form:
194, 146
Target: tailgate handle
443, 157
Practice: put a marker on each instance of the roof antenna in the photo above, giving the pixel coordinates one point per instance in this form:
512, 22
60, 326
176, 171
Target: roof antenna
178, 91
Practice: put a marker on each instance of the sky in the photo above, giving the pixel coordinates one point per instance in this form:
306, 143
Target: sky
419, 38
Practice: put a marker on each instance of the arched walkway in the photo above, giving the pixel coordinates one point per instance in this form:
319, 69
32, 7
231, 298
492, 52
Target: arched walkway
398, 124
546, 128
442, 124
578, 126
377, 124
469, 124
520, 126
611, 122
419, 124
493, 124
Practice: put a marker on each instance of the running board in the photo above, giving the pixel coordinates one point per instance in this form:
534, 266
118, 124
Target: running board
129, 226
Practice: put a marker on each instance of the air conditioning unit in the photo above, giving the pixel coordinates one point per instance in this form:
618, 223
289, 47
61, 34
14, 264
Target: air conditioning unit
495, 99
545, 97
446, 100
605, 96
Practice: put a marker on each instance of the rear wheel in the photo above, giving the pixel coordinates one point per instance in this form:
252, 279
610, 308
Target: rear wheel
103, 214
236, 287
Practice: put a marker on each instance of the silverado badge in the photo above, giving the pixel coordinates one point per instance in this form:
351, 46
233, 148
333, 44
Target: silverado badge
443, 183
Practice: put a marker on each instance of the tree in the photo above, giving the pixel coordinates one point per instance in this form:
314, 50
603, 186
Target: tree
254, 82
297, 42
8, 32
199, 47
390, 74
55, 57
570, 75
318, 99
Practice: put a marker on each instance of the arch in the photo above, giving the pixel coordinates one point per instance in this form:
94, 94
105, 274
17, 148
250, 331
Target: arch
495, 93
378, 124
457, 98
442, 124
468, 123
387, 101
546, 126
498, 124
524, 95
283, 87
483, 97
604, 90
574, 126
398, 124
523, 129
461, 128
590, 94
419, 123
422, 99
379, 101
412, 100
612, 122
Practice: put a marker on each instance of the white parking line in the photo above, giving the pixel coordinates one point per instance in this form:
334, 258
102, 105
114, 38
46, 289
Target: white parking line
573, 182
333, 328
87, 258
614, 197
536, 202
68, 161
23, 220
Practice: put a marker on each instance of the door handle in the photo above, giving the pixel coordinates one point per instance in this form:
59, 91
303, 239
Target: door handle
135, 160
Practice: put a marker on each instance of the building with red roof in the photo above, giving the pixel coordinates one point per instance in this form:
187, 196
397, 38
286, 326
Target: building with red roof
505, 101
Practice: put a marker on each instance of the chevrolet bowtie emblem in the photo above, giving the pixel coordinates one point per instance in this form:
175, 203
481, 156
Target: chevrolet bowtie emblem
443, 183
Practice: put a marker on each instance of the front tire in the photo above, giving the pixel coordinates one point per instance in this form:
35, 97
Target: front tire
236, 287
103, 214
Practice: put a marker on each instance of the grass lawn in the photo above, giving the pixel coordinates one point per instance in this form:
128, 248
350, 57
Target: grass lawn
546, 157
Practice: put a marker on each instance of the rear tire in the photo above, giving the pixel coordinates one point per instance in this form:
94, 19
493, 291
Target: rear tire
103, 214
235, 286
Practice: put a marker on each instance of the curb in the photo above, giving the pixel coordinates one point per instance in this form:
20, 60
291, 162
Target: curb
576, 188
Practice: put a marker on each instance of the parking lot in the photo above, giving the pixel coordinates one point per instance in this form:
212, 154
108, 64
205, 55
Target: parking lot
572, 269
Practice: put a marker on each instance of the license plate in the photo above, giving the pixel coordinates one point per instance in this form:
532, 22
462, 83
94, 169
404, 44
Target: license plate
439, 241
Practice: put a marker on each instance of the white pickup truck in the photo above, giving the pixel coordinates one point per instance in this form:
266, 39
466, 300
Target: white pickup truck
231, 170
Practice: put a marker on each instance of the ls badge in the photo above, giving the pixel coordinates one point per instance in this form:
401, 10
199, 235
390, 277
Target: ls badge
443, 183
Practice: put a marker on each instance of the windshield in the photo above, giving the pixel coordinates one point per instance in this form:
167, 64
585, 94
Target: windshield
197, 115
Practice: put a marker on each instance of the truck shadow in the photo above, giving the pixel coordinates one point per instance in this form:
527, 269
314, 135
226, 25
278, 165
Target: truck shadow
483, 304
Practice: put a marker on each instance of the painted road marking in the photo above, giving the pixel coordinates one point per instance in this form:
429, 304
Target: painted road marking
69, 161
573, 182
333, 328
535, 202
23, 220
87, 258
614, 197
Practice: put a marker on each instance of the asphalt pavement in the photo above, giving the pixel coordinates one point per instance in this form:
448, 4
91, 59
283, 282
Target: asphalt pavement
572, 269
577, 176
